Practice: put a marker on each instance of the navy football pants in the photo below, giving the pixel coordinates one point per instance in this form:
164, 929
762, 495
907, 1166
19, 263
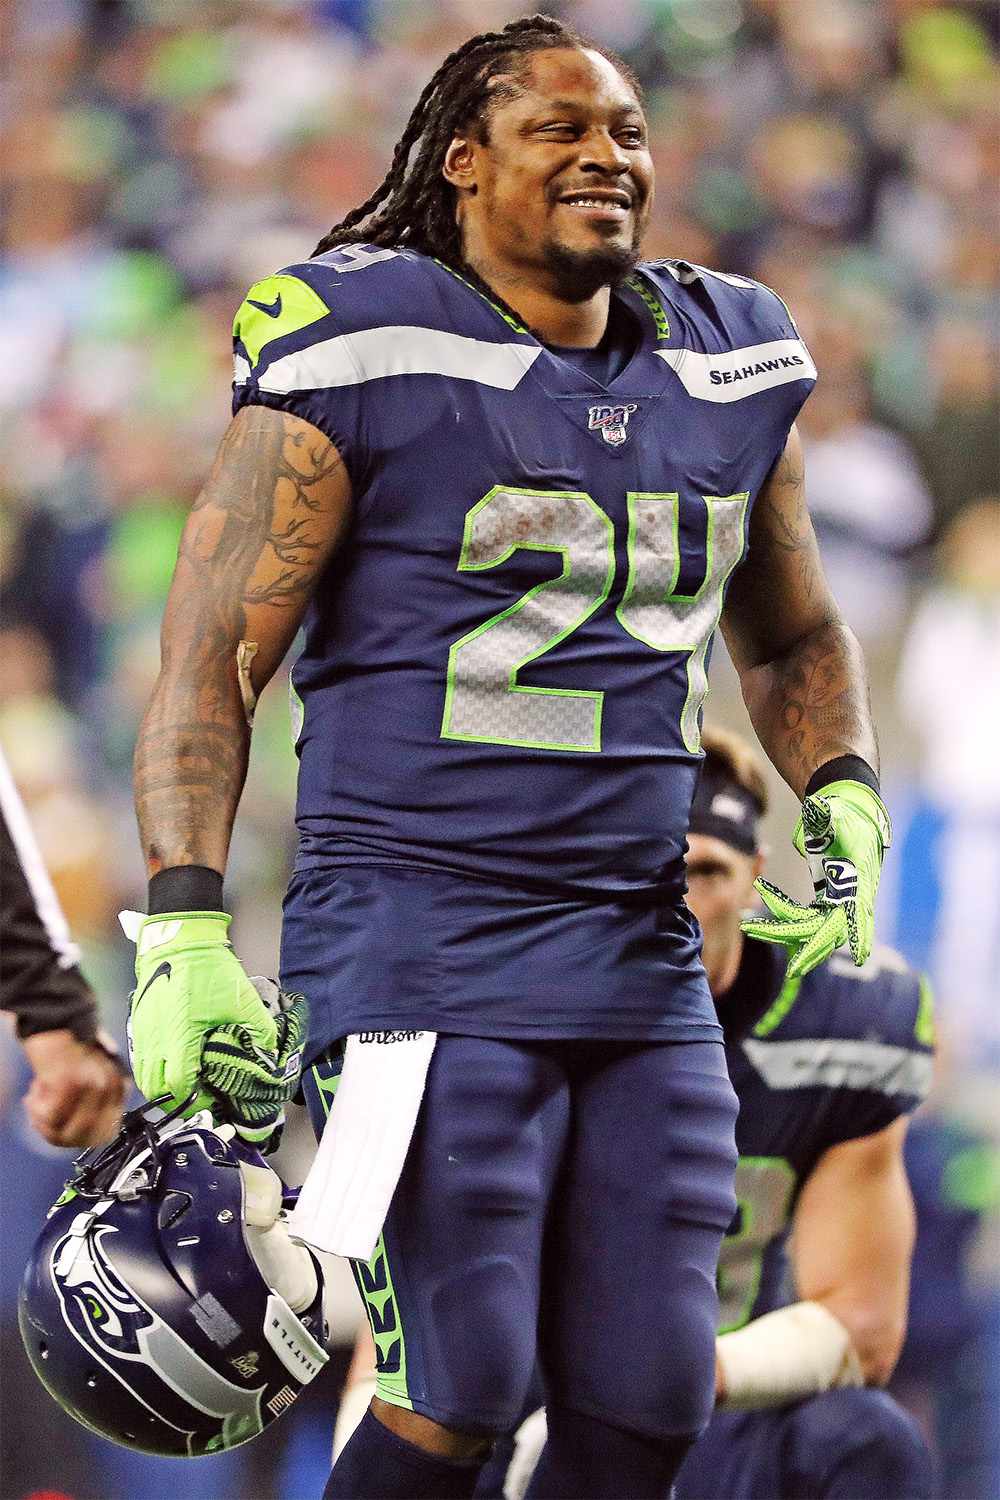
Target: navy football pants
844, 1445
563, 1195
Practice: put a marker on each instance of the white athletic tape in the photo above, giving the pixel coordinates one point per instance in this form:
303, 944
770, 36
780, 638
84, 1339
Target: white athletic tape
786, 1355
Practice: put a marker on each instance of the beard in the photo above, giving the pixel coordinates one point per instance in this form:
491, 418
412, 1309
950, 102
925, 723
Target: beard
578, 274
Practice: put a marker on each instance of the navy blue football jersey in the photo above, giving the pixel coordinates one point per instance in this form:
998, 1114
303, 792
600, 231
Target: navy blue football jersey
505, 664
837, 1055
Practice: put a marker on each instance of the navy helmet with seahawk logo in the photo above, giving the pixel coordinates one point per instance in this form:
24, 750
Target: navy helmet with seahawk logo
164, 1304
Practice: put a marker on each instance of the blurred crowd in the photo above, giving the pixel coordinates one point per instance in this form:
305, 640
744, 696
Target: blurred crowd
160, 155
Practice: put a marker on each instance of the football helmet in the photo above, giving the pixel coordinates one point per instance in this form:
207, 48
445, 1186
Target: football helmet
164, 1304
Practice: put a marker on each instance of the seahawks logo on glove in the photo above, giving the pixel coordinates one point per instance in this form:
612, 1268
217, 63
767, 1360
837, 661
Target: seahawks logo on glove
841, 883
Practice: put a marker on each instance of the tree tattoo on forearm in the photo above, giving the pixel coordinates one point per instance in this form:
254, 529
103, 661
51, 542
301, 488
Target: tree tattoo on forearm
255, 543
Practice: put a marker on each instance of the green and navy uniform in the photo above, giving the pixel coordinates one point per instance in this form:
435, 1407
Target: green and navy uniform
504, 666
498, 711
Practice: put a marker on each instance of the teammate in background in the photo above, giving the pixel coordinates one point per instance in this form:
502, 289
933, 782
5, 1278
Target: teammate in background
78, 1089
814, 1271
514, 476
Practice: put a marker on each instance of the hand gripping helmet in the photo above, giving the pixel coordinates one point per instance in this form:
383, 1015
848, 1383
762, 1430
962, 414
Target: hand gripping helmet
164, 1305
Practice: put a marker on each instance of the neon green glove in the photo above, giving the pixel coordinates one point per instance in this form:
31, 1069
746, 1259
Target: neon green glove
188, 981
843, 833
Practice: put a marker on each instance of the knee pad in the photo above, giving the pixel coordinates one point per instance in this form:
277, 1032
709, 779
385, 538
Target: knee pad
482, 1367
675, 1391
655, 1377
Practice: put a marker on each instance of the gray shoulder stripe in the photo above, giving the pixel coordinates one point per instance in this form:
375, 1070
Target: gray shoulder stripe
735, 373
827, 1062
378, 353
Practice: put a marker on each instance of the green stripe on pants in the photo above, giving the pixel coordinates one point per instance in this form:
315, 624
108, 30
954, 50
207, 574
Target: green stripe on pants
374, 1282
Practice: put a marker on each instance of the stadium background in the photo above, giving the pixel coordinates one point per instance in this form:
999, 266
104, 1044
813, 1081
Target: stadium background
161, 155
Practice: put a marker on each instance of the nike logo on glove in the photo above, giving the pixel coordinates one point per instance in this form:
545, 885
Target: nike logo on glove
156, 974
273, 309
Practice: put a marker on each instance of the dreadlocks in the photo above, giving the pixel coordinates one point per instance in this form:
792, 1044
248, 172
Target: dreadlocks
415, 205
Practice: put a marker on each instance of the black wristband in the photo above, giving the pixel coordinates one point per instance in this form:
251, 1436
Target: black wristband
185, 888
843, 768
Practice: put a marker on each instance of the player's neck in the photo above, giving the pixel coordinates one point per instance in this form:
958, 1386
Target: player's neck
722, 963
570, 325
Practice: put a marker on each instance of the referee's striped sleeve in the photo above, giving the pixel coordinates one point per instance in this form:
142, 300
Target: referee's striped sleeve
40, 981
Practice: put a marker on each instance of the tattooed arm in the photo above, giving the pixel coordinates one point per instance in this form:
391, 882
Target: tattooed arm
801, 669
258, 538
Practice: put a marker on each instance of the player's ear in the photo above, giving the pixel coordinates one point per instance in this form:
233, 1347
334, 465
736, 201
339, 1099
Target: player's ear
459, 165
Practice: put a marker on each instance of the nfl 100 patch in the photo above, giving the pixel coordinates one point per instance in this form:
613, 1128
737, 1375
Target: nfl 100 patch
611, 421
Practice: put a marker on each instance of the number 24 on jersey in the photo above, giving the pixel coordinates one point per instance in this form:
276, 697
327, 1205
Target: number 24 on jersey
484, 700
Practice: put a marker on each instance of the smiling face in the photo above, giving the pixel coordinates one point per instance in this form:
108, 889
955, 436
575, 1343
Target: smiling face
560, 186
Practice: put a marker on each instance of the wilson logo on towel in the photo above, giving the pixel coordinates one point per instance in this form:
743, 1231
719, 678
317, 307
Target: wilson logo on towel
383, 1038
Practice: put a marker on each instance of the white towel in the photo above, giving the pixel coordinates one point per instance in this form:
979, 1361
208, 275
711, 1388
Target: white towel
348, 1189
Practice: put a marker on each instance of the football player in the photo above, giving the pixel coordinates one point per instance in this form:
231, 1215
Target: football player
509, 477
815, 1268
79, 1083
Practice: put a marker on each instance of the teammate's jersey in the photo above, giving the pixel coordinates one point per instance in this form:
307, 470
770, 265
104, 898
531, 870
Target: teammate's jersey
839, 1055
505, 664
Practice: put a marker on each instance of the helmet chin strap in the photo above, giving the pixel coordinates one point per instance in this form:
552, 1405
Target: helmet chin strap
286, 1266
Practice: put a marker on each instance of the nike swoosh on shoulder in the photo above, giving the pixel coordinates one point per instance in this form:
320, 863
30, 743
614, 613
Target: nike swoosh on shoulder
158, 973
273, 309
